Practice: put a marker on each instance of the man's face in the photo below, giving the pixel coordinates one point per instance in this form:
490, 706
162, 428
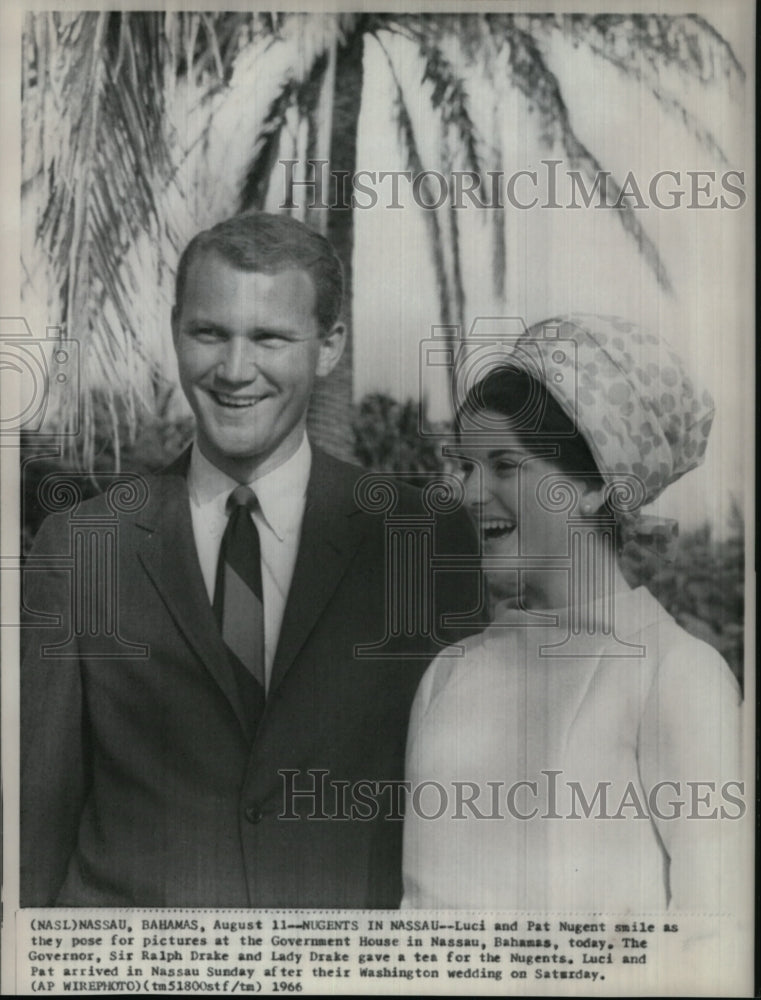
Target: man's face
248, 350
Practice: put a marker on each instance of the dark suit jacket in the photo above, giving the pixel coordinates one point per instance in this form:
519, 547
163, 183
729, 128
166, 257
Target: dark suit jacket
139, 784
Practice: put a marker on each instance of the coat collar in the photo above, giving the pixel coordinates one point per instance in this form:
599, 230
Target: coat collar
168, 555
330, 533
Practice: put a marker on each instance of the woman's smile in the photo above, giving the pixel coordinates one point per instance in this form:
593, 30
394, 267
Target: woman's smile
494, 529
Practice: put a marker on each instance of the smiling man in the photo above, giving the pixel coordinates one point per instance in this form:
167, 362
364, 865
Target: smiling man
208, 765
250, 343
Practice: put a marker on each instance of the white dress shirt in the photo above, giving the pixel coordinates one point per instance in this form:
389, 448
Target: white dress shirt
282, 495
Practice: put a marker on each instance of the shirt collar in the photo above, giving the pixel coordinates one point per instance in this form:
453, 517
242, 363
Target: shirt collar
280, 492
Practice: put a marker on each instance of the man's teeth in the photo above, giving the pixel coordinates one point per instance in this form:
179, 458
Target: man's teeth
240, 401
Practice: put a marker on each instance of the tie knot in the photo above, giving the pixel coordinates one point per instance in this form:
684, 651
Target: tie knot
242, 496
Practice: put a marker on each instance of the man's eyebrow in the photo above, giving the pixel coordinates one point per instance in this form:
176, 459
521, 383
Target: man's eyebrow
199, 322
207, 324
277, 331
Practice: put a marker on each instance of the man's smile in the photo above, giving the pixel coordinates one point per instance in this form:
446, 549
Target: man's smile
234, 401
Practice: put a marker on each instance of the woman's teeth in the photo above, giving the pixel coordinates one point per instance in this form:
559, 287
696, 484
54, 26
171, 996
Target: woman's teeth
497, 528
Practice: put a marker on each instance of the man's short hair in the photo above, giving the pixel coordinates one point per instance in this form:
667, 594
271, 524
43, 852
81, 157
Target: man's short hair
262, 241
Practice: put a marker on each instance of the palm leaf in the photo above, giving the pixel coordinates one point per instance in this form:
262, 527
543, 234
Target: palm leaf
415, 163
108, 164
530, 74
267, 149
686, 42
640, 53
449, 95
104, 172
450, 99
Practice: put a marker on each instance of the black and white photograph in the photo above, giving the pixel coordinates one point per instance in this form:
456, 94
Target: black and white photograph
377, 449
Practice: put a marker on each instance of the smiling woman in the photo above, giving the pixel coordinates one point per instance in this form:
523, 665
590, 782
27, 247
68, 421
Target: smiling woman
508, 467
583, 699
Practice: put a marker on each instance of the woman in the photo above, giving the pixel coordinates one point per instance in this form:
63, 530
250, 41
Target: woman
584, 752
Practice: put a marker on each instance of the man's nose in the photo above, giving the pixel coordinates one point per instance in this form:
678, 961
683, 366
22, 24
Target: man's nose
238, 362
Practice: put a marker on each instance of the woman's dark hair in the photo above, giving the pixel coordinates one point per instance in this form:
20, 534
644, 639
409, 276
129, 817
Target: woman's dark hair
536, 417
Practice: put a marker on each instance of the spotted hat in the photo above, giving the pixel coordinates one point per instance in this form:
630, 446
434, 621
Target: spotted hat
628, 394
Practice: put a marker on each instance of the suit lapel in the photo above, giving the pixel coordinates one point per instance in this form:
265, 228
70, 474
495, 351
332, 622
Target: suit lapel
331, 531
168, 554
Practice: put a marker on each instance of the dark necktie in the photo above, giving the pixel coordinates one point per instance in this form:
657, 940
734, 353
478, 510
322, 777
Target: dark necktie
238, 602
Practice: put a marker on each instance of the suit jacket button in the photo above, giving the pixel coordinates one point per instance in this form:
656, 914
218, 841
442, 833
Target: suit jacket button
254, 814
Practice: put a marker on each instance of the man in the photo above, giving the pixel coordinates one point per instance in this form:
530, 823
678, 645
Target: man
202, 766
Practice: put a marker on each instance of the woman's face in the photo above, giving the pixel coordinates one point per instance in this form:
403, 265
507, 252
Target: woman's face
509, 495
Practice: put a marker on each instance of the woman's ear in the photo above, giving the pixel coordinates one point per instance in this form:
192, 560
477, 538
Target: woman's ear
592, 500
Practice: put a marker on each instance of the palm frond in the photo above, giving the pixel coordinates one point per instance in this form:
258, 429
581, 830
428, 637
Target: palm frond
449, 94
265, 156
308, 102
109, 178
303, 90
530, 74
415, 164
686, 42
457, 280
730, 63
640, 54
105, 169
450, 99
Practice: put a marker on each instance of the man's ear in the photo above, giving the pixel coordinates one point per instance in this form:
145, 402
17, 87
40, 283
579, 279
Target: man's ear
331, 348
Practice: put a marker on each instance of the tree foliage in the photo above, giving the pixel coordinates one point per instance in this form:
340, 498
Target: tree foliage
140, 126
